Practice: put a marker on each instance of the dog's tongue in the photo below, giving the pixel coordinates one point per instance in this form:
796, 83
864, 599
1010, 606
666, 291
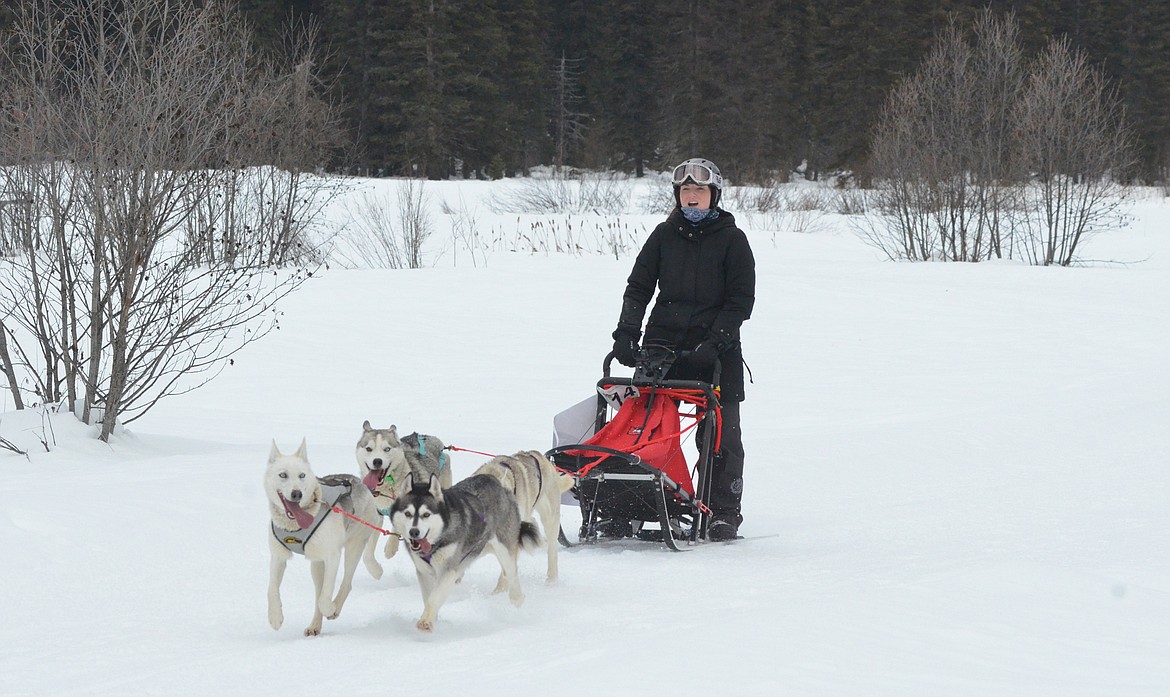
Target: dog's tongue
297, 513
424, 546
372, 479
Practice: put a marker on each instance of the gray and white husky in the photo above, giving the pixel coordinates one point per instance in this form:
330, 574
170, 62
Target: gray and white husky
537, 486
384, 461
448, 529
303, 522
379, 452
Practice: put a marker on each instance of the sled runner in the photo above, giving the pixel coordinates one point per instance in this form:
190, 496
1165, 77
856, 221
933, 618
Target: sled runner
631, 470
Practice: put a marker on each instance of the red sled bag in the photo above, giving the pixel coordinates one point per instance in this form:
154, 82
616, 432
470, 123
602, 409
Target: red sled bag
648, 428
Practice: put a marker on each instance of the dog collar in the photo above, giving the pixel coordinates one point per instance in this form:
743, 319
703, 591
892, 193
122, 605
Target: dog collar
427, 557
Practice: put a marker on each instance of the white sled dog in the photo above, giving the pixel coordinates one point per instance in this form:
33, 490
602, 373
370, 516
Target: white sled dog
385, 460
303, 521
537, 486
448, 529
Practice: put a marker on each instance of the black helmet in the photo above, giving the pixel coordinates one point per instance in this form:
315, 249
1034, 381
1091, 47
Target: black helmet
699, 171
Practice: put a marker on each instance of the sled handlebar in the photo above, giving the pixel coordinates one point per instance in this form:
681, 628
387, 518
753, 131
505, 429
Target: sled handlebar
651, 366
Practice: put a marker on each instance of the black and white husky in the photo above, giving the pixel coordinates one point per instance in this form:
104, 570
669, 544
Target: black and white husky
448, 529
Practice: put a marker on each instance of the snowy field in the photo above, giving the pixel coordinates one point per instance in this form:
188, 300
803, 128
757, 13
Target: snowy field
958, 482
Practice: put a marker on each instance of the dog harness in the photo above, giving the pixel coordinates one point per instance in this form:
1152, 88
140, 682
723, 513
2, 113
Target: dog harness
539, 474
333, 490
422, 450
444, 459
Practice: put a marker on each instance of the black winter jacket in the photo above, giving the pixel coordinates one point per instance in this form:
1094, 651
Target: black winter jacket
706, 280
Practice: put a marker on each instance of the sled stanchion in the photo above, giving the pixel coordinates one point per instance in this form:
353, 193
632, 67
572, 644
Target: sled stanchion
632, 469
664, 521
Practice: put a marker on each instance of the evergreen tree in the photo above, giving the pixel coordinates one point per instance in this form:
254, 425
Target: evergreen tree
618, 80
353, 30
415, 107
1140, 61
692, 89
524, 141
444, 87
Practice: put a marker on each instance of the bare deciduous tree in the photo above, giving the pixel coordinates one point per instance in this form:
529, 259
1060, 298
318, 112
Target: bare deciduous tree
980, 157
942, 147
568, 124
123, 122
1072, 139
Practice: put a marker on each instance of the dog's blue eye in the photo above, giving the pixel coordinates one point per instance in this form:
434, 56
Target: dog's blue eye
302, 475
425, 515
369, 450
284, 475
386, 450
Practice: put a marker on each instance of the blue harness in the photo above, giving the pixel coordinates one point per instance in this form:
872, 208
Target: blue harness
444, 461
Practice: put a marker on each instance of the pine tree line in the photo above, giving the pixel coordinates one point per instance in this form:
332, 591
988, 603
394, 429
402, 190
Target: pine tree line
469, 88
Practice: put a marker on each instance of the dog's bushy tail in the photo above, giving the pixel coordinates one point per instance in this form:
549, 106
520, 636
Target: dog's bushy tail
530, 538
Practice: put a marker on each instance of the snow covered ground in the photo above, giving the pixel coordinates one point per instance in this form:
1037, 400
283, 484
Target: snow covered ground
958, 479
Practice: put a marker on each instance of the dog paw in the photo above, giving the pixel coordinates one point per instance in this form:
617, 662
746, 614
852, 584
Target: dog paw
375, 571
275, 620
425, 626
517, 598
329, 610
313, 630
550, 581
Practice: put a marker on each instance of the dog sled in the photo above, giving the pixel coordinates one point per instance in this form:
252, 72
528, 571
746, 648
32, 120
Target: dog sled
632, 478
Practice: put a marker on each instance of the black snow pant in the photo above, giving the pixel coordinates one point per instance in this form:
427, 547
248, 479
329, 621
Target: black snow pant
727, 468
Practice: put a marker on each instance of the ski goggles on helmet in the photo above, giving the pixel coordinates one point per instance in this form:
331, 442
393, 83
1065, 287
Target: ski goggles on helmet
698, 173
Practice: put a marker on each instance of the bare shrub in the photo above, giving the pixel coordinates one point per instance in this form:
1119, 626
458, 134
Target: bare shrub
764, 198
465, 233
656, 200
370, 238
578, 193
119, 119
388, 231
850, 201
807, 199
414, 220
981, 155
941, 148
1072, 138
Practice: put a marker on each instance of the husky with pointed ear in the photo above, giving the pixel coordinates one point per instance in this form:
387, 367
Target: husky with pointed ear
305, 519
537, 486
379, 456
384, 461
448, 529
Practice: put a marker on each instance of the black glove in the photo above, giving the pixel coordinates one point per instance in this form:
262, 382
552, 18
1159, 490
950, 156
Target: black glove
625, 348
705, 354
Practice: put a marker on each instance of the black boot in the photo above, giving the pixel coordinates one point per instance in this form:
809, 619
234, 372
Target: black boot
724, 526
